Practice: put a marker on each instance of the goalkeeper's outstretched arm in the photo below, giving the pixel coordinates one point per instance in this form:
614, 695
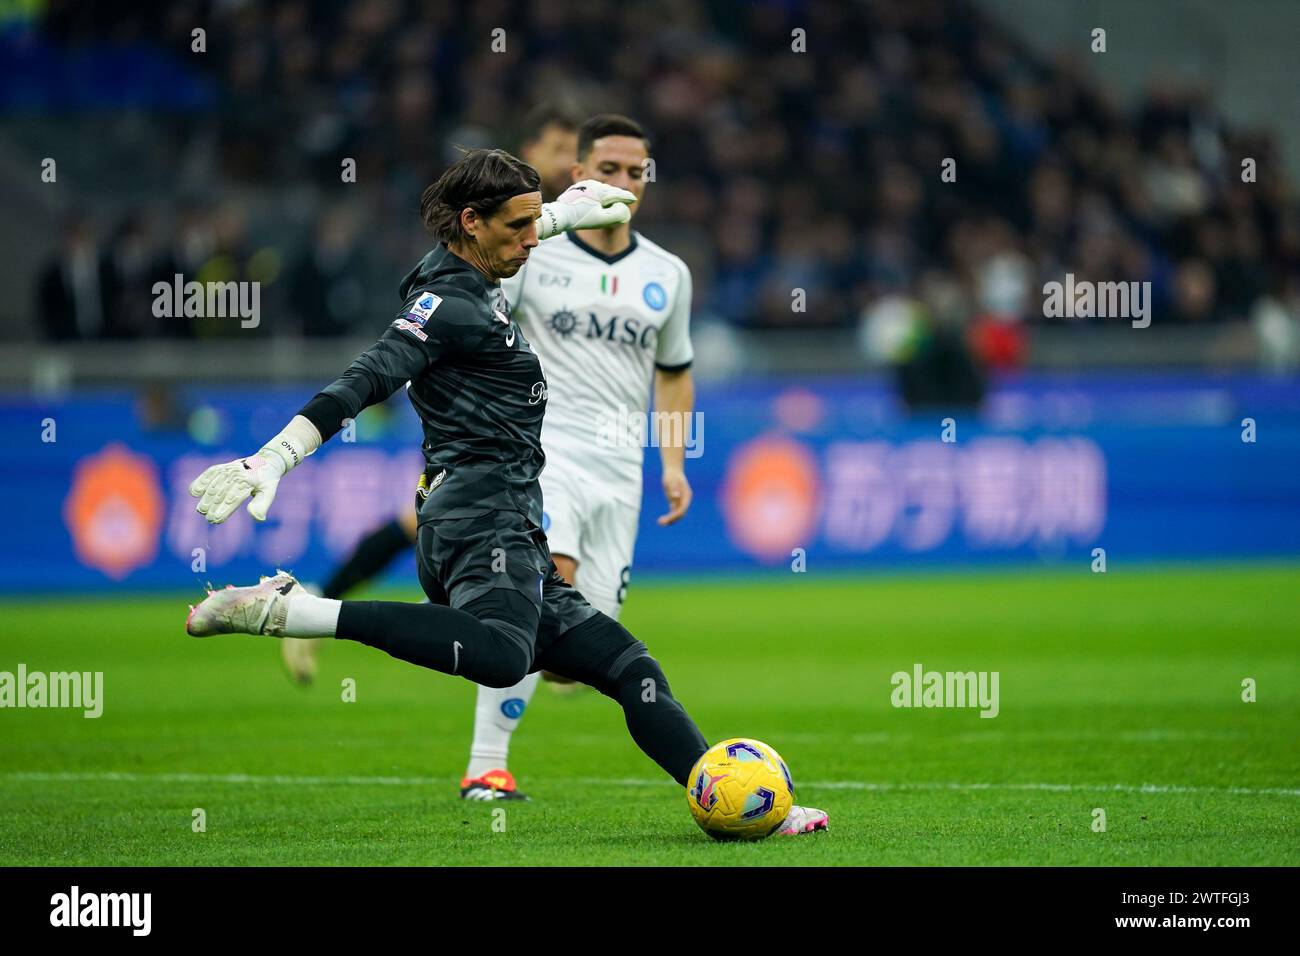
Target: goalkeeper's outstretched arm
375, 375
378, 372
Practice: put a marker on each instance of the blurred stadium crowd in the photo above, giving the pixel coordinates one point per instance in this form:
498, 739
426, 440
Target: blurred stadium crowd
775, 170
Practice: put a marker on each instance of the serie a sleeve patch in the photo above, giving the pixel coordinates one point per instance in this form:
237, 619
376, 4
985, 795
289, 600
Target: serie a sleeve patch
423, 307
417, 314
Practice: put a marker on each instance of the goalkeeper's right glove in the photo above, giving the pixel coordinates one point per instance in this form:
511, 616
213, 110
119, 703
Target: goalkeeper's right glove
223, 488
589, 204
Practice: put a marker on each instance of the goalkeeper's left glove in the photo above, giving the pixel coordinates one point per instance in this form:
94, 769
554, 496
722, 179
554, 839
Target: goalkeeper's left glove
223, 488
589, 204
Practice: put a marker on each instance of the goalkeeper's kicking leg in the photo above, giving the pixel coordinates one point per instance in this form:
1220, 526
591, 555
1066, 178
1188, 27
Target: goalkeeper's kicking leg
491, 640
374, 552
601, 652
488, 641
484, 576
495, 639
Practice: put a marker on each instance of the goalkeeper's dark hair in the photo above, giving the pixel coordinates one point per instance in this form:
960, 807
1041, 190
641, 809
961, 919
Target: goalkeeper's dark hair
482, 180
608, 124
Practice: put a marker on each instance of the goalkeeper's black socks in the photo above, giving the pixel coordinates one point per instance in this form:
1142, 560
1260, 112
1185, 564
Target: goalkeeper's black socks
496, 651
492, 642
603, 653
658, 723
373, 553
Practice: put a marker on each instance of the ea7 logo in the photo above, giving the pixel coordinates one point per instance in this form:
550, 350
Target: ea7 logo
562, 282
103, 909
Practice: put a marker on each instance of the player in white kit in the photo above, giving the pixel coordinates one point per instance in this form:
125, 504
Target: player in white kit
608, 312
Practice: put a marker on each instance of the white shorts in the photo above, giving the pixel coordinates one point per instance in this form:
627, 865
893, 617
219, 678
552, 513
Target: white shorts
594, 529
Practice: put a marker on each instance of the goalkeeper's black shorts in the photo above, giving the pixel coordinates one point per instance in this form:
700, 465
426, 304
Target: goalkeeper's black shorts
498, 565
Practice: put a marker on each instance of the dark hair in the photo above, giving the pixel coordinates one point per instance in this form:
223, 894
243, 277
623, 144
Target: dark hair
544, 115
482, 180
607, 124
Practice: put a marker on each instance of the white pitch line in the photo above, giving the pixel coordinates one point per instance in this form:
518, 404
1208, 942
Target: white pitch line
1000, 737
1048, 787
382, 781
282, 780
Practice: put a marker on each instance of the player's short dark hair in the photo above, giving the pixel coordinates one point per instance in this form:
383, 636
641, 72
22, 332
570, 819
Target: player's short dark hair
543, 116
482, 180
608, 124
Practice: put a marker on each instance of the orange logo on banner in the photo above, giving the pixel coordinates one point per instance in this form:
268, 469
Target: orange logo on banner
770, 497
114, 511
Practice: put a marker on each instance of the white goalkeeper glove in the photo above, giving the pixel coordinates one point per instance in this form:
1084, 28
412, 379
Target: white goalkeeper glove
223, 488
589, 204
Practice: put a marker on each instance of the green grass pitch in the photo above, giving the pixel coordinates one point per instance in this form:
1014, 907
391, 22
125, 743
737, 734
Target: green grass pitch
1120, 691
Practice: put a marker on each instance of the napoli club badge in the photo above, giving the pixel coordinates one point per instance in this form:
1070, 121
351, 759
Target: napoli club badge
654, 296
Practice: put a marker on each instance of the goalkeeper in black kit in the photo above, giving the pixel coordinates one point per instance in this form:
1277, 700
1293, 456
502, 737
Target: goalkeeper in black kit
500, 610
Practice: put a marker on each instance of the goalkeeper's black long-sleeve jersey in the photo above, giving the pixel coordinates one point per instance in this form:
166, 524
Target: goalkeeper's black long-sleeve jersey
476, 384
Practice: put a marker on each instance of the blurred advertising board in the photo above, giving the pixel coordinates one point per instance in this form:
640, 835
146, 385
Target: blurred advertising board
830, 474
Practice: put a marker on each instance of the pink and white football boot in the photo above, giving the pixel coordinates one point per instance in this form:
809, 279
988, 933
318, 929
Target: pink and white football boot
260, 609
803, 820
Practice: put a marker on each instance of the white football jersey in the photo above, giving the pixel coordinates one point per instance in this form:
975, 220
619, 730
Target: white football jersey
601, 324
